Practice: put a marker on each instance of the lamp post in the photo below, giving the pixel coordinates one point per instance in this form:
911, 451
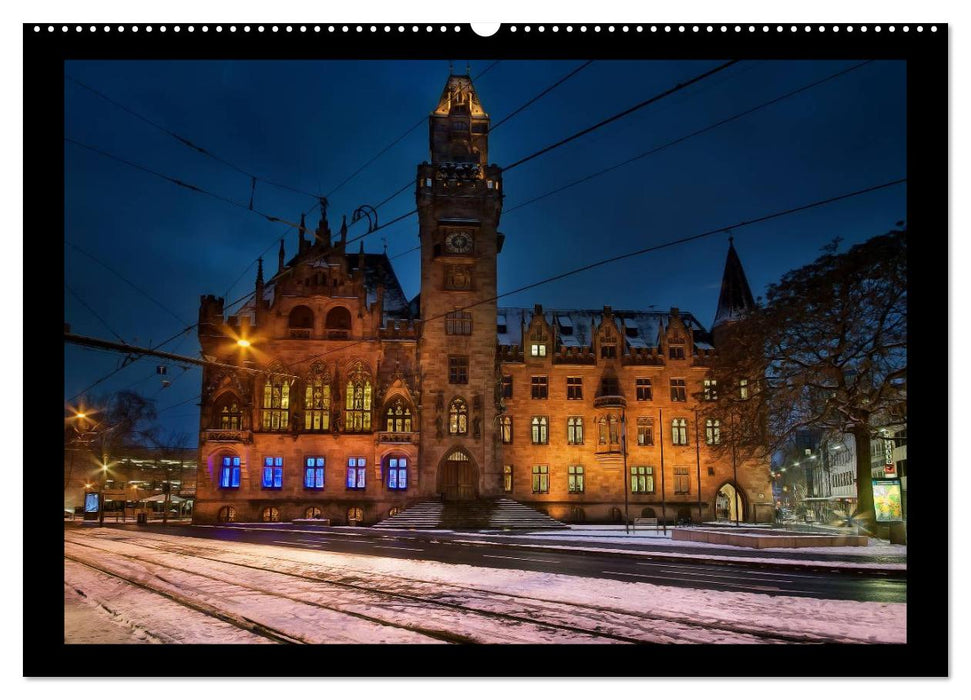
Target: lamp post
101, 498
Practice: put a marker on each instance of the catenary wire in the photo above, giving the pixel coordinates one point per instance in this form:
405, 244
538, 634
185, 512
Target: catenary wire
93, 312
187, 142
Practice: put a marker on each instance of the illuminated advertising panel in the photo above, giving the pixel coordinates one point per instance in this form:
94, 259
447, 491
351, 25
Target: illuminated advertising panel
886, 501
91, 503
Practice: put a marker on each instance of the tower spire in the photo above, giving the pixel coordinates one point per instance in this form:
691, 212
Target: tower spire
736, 296
303, 227
259, 283
283, 255
343, 230
322, 233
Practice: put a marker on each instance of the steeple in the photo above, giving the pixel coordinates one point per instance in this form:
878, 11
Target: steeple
458, 127
283, 256
323, 227
259, 282
302, 245
343, 231
736, 297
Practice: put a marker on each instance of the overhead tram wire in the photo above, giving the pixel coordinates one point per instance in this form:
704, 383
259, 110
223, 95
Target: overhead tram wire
392, 145
589, 129
93, 312
187, 142
698, 132
668, 144
492, 128
635, 253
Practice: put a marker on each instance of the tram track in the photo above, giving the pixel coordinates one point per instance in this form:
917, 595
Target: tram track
596, 622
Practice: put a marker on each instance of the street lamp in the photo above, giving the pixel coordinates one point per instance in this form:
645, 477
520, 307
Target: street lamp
101, 500
243, 343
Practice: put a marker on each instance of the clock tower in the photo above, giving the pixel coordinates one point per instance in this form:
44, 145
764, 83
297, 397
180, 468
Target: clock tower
459, 203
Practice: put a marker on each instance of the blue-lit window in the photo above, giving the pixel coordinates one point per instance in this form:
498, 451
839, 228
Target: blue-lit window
398, 473
313, 473
273, 472
356, 466
229, 473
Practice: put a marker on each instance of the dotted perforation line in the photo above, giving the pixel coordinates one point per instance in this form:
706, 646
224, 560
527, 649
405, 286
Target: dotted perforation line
415, 28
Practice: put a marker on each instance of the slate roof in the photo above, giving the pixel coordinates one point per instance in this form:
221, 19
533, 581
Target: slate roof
736, 296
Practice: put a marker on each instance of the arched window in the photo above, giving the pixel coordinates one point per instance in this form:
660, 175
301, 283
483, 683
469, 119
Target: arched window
270, 514
614, 430
679, 431
313, 512
354, 515
396, 469
301, 322
398, 417
338, 323
540, 430
227, 514
505, 429
276, 403
712, 431
227, 413
574, 430
458, 417
357, 404
316, 401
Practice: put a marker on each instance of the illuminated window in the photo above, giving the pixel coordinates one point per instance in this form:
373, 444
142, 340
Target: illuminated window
276, 403
574, 388
711, 390
356, 469
539, 387
357, 402
229, 473
270, 515
537, 349
398, 417
743, 388
644, 390
541, 478
574, 430
682, 481
458, 323
312, 513
712, 432
642, 479
645, 431
505, 429
574, 478
227, 514
313, 473
227, 413
507, 478
679, 431
458, 417
540, 430
458, 369
397, 470
272, 473
678, 390
316, 404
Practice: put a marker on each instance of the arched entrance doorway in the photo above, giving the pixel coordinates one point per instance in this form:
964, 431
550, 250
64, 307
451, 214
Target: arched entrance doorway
727, 500
458, 477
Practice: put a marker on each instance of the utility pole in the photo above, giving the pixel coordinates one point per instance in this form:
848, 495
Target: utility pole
623, 438
664, 505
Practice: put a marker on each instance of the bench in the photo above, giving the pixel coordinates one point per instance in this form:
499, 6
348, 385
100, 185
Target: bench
645, 521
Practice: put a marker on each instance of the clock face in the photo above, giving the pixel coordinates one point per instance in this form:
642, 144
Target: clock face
459, 242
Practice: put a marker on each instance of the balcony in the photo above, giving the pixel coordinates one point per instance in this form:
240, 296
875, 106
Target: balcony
610, 401
225, 435
398, 437
300, 333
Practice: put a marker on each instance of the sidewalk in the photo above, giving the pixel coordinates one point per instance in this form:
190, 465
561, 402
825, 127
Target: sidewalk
879, 558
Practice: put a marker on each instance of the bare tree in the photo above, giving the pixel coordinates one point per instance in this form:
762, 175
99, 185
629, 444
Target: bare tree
825, 351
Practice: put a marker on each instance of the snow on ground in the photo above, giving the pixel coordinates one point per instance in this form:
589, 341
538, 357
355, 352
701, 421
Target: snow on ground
318, 597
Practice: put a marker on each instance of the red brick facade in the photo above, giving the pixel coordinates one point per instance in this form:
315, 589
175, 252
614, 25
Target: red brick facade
338, 347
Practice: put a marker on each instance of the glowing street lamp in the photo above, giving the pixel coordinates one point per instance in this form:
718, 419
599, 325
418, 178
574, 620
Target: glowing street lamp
243, 343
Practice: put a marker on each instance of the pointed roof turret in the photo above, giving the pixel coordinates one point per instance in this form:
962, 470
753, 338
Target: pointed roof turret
343, 230
458, 127
459, 95
736, 296
303, 228
283, 256
323, 226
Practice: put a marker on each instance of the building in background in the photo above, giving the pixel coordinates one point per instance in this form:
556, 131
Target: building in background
366, 402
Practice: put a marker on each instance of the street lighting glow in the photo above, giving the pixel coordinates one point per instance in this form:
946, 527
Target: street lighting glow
243, 343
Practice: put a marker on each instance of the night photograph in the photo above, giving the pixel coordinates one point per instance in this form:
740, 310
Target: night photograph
489, 351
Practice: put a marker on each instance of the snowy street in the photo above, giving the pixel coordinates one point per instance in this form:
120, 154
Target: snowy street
147, 587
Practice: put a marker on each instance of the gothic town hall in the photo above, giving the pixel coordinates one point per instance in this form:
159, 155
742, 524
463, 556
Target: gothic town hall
366, 403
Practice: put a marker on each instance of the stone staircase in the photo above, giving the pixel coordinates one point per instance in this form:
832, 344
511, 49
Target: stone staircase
482, 514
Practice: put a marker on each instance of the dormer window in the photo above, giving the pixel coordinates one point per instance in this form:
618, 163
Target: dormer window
537, 349
676, 352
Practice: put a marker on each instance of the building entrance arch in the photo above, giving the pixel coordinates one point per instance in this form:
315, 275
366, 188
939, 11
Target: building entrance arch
727, 499
458, 476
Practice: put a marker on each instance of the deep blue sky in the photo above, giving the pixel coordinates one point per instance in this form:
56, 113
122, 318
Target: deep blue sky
310, 124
